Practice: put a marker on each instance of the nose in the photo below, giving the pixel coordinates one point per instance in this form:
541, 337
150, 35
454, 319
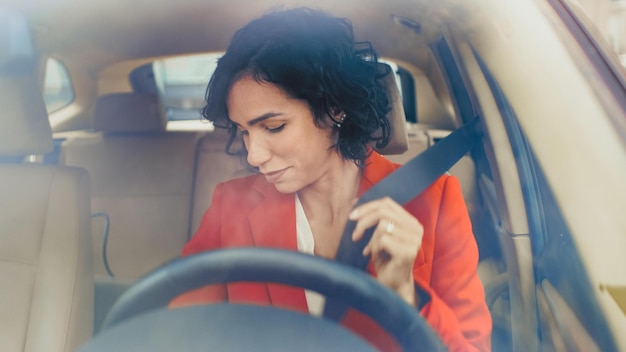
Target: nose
258, 151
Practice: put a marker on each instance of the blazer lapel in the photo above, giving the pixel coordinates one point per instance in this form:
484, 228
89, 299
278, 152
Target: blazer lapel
273, 225
273, 220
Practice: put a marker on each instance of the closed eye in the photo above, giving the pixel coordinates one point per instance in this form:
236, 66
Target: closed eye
275, 129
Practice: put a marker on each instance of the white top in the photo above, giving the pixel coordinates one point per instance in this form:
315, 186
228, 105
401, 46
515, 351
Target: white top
306, 244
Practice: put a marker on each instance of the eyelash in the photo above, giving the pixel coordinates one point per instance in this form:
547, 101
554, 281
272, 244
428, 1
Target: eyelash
270, 130
275, 130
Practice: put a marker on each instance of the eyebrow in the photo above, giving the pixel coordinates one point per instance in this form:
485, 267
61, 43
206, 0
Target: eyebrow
263, 118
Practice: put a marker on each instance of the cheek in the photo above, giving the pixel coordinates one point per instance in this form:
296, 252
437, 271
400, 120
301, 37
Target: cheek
319, 146
307, 144
324, 139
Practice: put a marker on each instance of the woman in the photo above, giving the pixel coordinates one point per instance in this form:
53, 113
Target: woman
306, 100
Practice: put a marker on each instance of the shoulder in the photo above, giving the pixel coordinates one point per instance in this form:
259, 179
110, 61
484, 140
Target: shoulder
445, 188
378, 167
436, 189
249, 190
238, 190
241, 182
441, 201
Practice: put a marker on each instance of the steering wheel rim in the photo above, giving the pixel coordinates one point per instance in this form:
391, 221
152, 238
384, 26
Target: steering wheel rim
339, 282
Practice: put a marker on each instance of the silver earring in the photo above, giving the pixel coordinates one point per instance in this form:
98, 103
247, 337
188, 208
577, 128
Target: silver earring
338, 124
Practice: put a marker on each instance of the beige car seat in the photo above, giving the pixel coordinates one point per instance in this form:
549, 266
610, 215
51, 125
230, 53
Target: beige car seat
46, 274
141, 176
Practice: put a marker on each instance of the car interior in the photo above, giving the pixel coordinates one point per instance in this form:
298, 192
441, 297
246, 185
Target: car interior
107, 168
47, 266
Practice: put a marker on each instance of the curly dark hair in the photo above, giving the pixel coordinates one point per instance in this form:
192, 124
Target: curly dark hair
311, 56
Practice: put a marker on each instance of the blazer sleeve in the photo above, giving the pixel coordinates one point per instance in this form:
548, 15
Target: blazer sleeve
206, 238
457, 308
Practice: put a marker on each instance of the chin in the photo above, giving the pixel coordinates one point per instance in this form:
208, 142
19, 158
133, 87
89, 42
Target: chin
286, 188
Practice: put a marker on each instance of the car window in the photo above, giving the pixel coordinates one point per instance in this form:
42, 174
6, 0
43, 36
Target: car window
182, 81
608, 19
182, 84
58, 91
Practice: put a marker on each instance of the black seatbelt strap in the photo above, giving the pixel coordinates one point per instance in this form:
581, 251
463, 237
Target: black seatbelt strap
403, 185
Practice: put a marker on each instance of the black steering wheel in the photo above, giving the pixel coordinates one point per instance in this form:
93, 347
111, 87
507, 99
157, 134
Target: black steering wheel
141, 314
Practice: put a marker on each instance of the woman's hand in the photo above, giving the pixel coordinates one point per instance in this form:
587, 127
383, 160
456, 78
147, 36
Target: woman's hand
394, 244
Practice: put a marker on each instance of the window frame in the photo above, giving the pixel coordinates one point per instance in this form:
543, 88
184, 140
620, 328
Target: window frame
597, 51
64, 78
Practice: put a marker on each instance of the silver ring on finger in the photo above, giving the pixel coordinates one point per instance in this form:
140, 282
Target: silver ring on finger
389, 227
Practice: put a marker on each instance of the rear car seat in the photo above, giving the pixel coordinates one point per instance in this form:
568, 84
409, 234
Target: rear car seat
46, 273
141, 176
142, 179
213, 166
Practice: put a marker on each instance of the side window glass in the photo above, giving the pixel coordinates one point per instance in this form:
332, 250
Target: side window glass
570, 316
57, 91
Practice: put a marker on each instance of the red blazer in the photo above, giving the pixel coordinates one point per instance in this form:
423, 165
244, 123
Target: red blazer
251, 212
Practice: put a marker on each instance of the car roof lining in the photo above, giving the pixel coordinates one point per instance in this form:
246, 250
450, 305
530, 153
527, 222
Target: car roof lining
79, 28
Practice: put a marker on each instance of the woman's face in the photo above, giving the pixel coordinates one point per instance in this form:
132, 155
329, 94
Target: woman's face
280, 135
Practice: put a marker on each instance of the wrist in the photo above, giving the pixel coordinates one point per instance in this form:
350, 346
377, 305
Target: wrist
407, 293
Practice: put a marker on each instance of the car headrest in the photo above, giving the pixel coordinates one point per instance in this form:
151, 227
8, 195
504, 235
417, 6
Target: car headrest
24, 125
128, 113
399, 141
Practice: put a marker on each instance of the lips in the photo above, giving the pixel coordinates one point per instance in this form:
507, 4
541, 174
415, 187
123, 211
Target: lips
274, 176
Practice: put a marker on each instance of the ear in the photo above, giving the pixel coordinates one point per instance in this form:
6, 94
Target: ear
337, 116
336, 113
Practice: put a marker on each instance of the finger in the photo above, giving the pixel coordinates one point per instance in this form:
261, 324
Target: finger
381, 251
371, 219
391, 253
373, 211
385, 249
381, 231
367, 213
361, 226
406, 235
385, 219
372, 206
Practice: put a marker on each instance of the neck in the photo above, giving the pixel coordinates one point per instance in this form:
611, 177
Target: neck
331, 197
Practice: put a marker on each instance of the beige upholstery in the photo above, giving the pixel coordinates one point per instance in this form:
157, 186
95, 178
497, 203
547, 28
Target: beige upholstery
398, 143
128, 113
22, 130
46, 274
214, 166
464, 170
143, 181
418, 141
